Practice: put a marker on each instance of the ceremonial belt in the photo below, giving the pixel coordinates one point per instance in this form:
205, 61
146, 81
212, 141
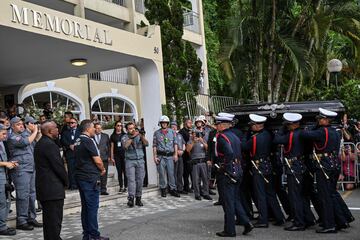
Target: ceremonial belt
165, 154
261, 160
293, 159
321, 155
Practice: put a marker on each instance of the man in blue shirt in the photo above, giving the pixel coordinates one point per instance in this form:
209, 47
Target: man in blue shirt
89, 167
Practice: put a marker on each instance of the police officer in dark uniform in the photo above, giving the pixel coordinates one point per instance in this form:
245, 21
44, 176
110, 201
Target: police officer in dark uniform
259, 145
326, 148
228, 157
295, 169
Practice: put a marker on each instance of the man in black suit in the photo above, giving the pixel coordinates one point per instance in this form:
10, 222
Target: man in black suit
51, 180
103, 143
68, 138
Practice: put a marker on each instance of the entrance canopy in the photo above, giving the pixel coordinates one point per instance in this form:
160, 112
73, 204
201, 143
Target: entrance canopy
38, 44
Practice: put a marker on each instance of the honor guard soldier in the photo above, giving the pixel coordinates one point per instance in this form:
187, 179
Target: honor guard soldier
20, 145
228, 162
290, 138
165, 148
326, 143
259, 145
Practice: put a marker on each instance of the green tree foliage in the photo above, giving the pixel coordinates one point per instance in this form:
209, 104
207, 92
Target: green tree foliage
277, 50
212, 39
182, 67
348, 92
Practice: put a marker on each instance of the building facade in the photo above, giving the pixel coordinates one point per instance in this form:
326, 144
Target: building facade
123, 77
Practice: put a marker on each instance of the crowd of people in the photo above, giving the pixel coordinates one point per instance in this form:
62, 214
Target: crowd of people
40, 159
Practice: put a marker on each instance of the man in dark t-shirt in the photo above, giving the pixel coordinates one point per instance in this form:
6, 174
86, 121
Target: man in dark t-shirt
89, 168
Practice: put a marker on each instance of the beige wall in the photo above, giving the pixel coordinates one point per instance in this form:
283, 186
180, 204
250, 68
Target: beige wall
77, 87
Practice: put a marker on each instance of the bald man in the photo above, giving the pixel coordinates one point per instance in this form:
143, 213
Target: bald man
51, 180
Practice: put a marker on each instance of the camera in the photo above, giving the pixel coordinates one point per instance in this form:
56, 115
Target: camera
198, 134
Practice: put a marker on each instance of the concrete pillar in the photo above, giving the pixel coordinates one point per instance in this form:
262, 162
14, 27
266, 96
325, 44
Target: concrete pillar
152, 96
79, 9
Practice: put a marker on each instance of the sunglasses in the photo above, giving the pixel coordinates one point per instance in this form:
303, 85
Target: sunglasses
73, 122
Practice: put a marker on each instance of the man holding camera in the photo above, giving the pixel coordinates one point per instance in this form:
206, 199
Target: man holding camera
134, 143
197, 147
21, 149
4, 196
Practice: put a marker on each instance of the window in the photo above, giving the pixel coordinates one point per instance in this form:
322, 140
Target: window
110, 109
56, 102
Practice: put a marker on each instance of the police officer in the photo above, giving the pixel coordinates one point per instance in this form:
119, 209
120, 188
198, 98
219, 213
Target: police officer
259, 145
197, 147
4, 198
179, 165
133, 143
20, 145
165, 148
293, 150
326, 142
228, 158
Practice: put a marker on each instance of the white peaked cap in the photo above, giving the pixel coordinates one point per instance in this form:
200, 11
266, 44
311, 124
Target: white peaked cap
327, 113
292, 117
223, 114
223, 119
257, 118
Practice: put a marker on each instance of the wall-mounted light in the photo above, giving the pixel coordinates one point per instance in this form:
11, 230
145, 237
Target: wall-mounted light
78, 62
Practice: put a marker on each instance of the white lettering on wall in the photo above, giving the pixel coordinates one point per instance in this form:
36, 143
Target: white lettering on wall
59, 25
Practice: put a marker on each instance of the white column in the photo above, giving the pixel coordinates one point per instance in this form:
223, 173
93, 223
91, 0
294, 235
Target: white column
152, 95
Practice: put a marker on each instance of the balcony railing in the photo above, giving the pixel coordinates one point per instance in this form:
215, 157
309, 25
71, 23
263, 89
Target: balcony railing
140, 6
117, 2
120, 75
191, 20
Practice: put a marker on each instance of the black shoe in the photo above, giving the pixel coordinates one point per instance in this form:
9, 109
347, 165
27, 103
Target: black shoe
124, 190
310, 224
38, 210
217, 203
104, 193
190, 191
290, 219
25, 227
163, 192
248, 228
207, 197
35, 224
183, 192
130, 202
211, 192
138, 202
351, 219
174, 193
326, 230
8, 232
342, 226
99, 238
198, 198
279, 223
261, 225
294, 228
225, 234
